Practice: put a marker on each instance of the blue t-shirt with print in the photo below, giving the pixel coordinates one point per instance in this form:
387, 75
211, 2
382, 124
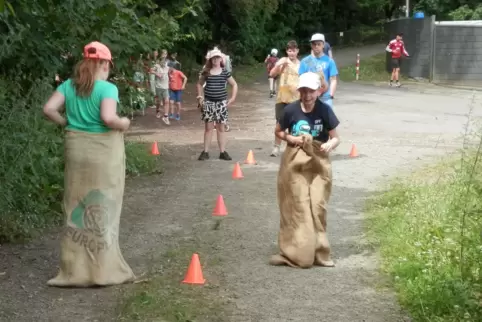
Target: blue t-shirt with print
319, 122
314, 64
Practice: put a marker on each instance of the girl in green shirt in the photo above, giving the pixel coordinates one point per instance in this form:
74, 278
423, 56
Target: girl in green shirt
94, 173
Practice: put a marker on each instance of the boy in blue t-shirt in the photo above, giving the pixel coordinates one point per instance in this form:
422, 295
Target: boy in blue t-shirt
319, 62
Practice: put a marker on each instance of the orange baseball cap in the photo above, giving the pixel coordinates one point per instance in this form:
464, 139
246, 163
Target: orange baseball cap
97, 50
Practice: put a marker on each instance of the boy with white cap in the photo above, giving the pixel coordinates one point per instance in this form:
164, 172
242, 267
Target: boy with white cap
305, 177
318, 62
309, 115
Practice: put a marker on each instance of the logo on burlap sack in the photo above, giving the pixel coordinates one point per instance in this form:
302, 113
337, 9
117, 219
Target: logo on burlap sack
93, 213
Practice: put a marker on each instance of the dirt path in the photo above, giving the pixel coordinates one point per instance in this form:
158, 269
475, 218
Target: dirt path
391, 127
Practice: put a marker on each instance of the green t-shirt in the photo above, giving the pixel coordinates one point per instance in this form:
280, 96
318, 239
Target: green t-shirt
83, 114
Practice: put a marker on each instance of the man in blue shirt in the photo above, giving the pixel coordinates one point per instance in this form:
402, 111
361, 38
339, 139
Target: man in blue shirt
318, 62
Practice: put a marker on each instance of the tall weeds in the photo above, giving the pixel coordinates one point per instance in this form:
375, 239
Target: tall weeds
430, 239
31, 162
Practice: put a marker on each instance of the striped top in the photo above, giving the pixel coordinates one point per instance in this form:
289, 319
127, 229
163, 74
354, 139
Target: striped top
216, 89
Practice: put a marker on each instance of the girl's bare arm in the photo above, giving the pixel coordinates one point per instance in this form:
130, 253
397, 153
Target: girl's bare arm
53, 107
233, 83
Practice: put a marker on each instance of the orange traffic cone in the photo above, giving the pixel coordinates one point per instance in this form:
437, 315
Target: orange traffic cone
194, 274
354, 151
154, 149
237, 174
220, 208
250, 158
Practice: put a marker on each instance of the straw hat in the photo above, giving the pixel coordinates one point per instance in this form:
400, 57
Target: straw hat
215, 52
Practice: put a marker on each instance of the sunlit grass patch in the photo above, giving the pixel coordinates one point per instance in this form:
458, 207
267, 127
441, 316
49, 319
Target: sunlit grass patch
430, 240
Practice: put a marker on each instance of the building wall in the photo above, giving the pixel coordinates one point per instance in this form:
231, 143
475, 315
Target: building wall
458, 54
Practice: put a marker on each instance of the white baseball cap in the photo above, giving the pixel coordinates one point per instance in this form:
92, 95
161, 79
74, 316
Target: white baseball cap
318, 37
309, 80
274, 51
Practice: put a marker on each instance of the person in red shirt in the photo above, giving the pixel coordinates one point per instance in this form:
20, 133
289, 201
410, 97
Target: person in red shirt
270, 62
177, 83
397, 48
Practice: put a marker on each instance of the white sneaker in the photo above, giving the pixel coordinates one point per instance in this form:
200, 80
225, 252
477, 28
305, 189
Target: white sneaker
165, 119
275, 151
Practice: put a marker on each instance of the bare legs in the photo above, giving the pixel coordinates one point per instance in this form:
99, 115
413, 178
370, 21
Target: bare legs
221, 138
395, 75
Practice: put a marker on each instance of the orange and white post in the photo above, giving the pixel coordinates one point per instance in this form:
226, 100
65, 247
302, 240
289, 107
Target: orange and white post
357, 66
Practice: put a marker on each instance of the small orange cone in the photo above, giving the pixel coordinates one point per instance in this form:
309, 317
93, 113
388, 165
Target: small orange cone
354, 151
154, 149
194, 274
250, 158
220, 208
237, 173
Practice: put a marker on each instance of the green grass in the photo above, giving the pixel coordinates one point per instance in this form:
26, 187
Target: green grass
160, 296
247, 74
372, 69
429, 232
139, 160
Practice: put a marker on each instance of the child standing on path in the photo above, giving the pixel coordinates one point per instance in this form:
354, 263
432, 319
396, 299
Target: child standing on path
177, 83
270, 62
287, 67
161, 72
397, 49
213, 99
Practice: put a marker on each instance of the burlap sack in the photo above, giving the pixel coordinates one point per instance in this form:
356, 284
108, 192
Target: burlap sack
304, 189
94, 189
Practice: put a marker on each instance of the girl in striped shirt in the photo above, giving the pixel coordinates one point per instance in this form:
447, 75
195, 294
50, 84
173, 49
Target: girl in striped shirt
213, 98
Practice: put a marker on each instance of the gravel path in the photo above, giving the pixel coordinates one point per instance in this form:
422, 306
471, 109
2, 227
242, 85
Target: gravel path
394, 129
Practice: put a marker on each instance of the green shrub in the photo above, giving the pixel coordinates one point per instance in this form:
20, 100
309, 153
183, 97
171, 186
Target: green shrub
31, 148
430, 238
32, 163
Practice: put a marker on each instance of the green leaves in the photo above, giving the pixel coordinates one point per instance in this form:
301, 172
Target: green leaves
6, 5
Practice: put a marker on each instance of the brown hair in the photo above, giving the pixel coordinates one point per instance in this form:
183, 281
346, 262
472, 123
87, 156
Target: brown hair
84, 76
292, 45
207, 68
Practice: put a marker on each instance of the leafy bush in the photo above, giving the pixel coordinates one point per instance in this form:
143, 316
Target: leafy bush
40, 39
32, 163
431, 243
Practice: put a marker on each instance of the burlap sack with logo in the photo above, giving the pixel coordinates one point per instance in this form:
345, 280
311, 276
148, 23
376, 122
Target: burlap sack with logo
94, 189
304, 189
